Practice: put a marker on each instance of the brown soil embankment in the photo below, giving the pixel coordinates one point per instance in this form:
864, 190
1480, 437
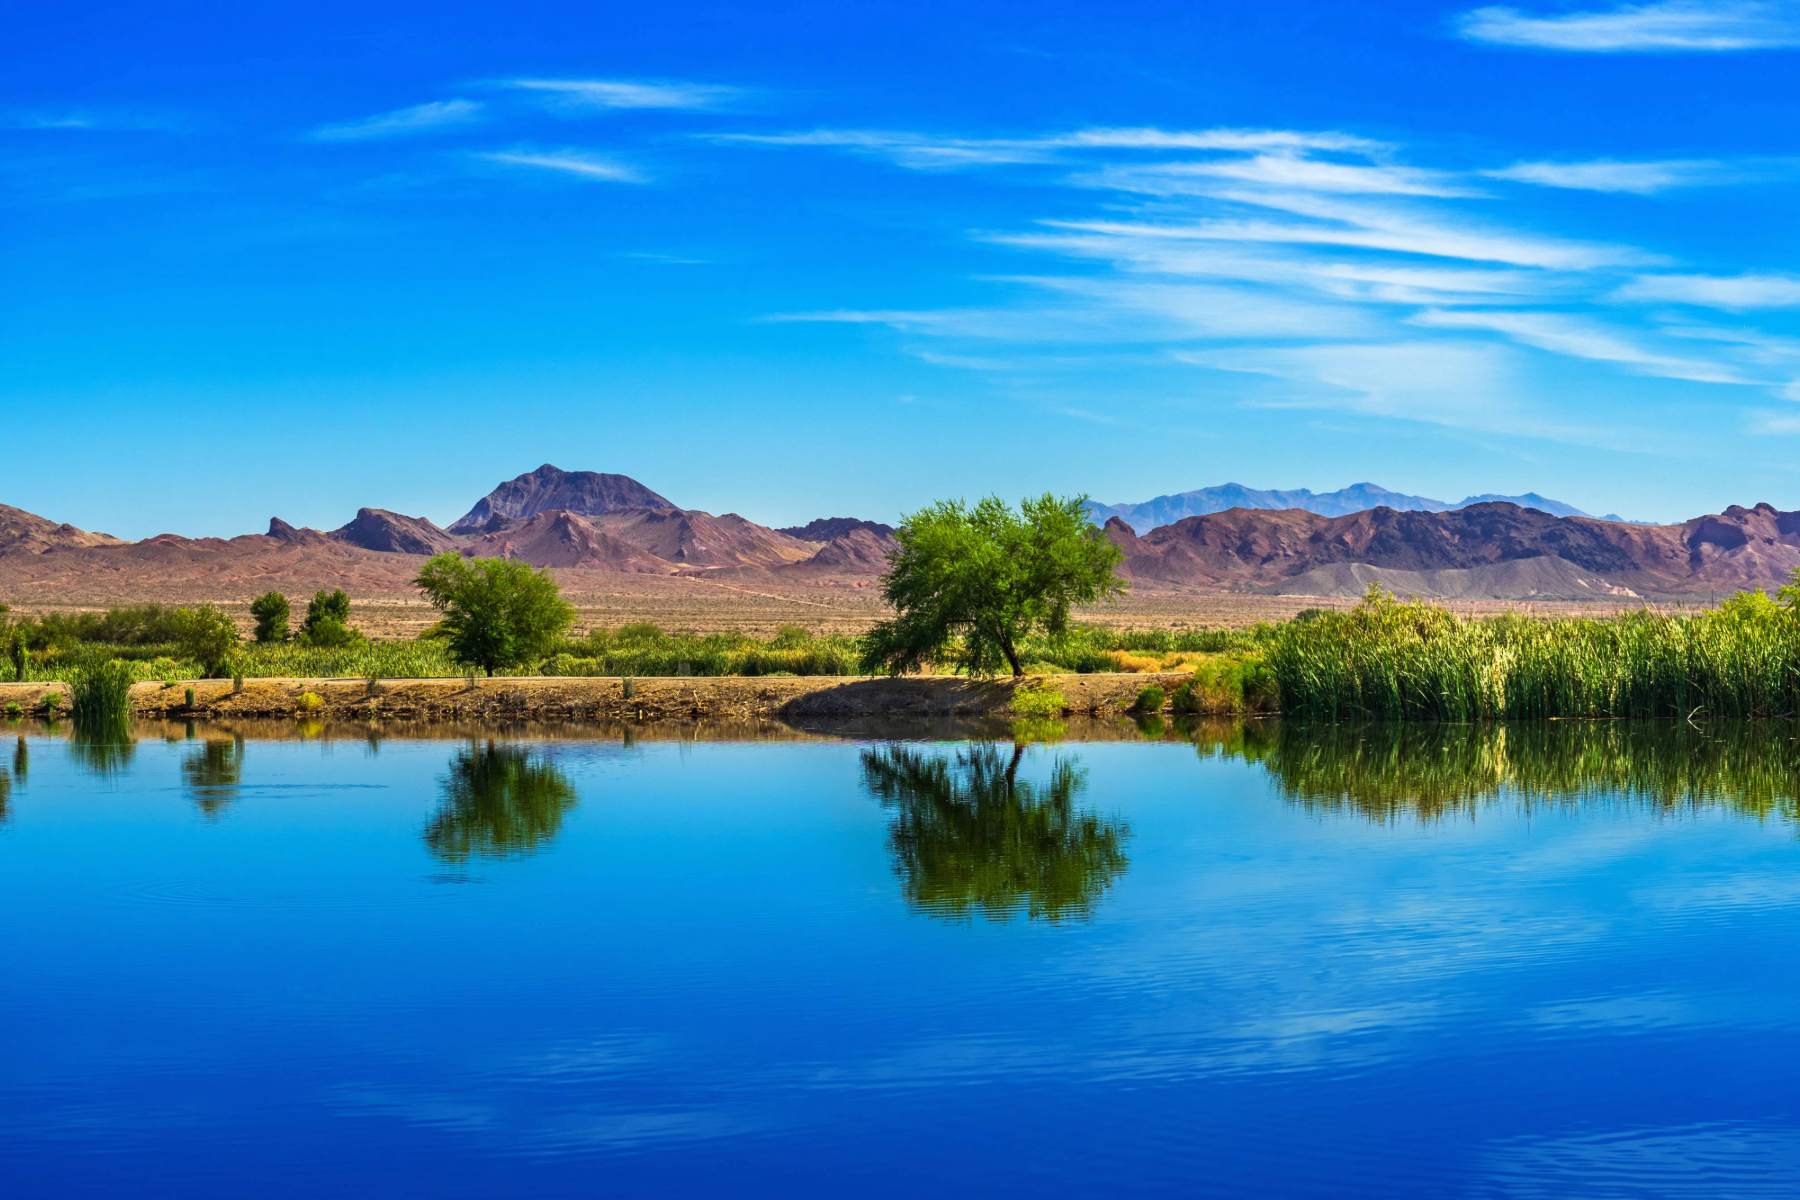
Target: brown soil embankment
683, 699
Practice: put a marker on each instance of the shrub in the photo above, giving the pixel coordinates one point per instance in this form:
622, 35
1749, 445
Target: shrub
1150, 699
790, 637
271, 612
188, 700
309, 701
327, 624
51, 701
1039, 700
1185, 699
629, 688
207, 636
13, 709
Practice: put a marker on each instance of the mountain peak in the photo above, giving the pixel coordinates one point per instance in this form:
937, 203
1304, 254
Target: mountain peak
549, 488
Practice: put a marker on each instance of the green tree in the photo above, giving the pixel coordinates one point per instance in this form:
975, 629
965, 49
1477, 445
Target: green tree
327, 624
206, 635
989, 575
498, 612
271, 612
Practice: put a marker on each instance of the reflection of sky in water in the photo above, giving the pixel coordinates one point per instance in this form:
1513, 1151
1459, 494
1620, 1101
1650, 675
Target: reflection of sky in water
705, 970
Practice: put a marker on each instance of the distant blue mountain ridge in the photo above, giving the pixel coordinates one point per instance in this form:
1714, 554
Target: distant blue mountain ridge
1166, 510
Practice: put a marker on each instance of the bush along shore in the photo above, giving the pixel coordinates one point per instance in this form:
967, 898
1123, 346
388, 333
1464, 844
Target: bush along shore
1384, 659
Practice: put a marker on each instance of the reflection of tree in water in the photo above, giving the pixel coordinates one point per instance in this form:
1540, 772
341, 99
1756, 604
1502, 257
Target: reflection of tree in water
1392, 770
968, 834
499, 802
212, 773
20, 764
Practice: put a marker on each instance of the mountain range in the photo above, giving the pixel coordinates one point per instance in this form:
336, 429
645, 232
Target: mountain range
592, 526
1358, 497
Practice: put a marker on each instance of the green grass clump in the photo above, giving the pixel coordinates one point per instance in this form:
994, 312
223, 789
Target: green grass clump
102, 697
1149, 700
1039, 700
1390, 660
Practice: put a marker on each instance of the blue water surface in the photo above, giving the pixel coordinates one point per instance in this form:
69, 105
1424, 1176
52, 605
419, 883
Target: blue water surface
547, 967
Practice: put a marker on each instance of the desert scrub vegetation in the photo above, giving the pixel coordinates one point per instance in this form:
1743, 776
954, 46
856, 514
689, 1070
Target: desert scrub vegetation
1392, 660
646, 649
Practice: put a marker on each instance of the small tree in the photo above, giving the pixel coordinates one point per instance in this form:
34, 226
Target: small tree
990, 575
206, 635
498, 612
327, 623
271, 612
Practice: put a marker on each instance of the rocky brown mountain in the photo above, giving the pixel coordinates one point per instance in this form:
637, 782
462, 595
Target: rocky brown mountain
547, 489
379, 529
27, 533
1495, 550
1292, 551
562, 539
825, 529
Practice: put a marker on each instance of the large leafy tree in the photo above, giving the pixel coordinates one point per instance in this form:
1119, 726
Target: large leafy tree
498, 612
989, 575
206, 635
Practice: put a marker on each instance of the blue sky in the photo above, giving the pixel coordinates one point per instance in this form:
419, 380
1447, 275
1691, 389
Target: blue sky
795, 260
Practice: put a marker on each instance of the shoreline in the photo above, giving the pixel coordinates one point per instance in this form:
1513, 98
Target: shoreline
582, 698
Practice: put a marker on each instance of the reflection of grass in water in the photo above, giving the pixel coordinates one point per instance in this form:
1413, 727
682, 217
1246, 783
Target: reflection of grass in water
212, 772
1387, 770
1027, 730
969, 836
499, 801
104, 754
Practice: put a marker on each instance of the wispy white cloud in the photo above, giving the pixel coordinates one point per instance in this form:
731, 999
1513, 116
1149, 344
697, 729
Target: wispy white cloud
1731, 292
1288, 170
1325, 260
623, 93
98, 120
1675, 25
1610, 175
1462, 384
403, 122
1384, 230
579, 163
925, 152
1581, 337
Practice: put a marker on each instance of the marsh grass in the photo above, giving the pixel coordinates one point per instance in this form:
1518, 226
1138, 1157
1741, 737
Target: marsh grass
1390, 660
101, 703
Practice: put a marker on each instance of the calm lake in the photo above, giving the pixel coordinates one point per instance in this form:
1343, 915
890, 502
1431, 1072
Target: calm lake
1550, 961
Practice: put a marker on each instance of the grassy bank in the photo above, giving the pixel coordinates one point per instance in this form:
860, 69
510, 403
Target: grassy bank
1382, 660
1410, 661
139, 637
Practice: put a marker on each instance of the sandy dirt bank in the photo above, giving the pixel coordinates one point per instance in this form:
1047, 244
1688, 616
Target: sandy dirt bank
536, 699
